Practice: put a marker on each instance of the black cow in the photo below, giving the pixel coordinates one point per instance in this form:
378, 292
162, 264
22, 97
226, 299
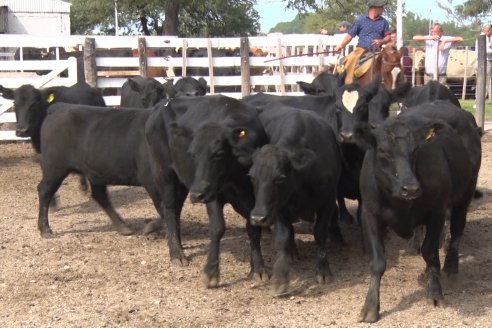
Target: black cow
31, 105
142, 92
323, 84
210, 143
109, 147
295, 176
145, 92
414, 173
432, 90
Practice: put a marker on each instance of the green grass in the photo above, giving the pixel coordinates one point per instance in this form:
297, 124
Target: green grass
468, 105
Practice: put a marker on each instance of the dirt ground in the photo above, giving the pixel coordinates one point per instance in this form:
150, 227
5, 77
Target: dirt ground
89, 276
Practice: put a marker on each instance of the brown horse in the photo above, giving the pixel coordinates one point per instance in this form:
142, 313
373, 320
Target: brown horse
386, 65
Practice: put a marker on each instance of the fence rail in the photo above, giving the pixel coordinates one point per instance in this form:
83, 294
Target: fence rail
227, 64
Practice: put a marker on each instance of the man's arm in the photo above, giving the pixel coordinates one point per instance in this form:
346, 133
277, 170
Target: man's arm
344, 43
453, 39
425, 37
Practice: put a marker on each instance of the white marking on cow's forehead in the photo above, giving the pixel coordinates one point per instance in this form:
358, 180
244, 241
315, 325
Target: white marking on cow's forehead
394, 73
349, 99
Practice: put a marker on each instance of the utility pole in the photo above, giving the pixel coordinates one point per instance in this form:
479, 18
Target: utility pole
399, 23
116, 17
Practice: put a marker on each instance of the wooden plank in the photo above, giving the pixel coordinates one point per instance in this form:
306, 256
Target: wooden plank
210, 67
245, 68
142, 56
90, 62
117, 73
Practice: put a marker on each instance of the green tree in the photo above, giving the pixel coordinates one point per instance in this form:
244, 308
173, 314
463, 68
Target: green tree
166, 17
471, 12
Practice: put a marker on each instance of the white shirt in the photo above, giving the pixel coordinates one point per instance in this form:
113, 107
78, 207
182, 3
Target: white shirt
430, 56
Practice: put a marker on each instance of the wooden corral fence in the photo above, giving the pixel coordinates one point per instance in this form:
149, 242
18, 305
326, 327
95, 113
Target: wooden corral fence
231, 66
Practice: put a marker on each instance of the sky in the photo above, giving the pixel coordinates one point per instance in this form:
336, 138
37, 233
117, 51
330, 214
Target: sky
273, 11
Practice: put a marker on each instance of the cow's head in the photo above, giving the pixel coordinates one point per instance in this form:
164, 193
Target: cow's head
30, 107
395, 146
190, 87
213, 160
274, 173
323, 84
150, 93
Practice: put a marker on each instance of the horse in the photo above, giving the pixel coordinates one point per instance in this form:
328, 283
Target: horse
385, 65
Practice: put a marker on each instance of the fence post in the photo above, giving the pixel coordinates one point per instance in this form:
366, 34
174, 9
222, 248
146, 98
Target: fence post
465, 78
142, 56
90, 68
481, 72
245, 68
210, 66
281, 66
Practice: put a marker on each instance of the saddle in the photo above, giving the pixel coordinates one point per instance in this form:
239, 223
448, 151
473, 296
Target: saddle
363, 65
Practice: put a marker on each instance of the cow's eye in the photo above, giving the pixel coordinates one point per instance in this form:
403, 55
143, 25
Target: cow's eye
219, 154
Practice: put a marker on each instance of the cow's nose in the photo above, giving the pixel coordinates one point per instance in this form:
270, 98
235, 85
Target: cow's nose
197, 197
346, 136
22, 133
258, 220
410, 191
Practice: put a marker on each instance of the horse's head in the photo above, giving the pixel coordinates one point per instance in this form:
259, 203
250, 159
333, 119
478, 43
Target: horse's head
390, 61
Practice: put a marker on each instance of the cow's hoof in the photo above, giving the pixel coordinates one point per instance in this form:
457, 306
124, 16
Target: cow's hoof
369, 315
261, 276
210, 281
324, 278
437, 301
125, 230
280, 289
153, 226
47, 234
180, 261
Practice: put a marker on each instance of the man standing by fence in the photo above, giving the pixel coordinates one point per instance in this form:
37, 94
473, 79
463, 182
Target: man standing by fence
437, 49
487, 31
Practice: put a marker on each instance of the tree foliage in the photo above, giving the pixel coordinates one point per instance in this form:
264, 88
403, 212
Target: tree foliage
474, 12
168, 17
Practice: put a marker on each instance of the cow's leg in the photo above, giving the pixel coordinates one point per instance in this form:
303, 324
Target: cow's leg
158, 225
326, 222
258, 269
211, 272
100, 194
46, 191
173, 196
345, 215
430, 253
457, 226
283, 238
257, 263
373, 233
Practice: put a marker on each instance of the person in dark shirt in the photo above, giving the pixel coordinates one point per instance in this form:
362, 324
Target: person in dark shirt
373, 31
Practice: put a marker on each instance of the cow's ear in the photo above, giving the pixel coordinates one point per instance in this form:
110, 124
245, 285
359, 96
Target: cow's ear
133, 85
364, 136
7, 93
203, 83
302, 158
306, 87
433, 130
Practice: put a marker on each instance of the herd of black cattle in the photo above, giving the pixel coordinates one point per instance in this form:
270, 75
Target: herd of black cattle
275, 159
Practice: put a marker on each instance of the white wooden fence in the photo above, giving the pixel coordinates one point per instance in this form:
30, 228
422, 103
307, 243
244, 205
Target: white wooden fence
112, 72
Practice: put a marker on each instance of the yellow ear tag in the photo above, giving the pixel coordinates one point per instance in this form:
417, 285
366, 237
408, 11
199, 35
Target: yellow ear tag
51, 98
242, 134
430, 134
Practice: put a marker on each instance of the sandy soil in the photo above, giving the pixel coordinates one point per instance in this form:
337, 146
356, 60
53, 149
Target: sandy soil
89, 276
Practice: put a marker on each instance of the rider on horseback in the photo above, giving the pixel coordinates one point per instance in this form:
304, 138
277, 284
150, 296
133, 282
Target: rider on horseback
373, 31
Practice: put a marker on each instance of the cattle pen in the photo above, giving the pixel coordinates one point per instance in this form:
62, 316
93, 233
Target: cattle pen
231, 66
